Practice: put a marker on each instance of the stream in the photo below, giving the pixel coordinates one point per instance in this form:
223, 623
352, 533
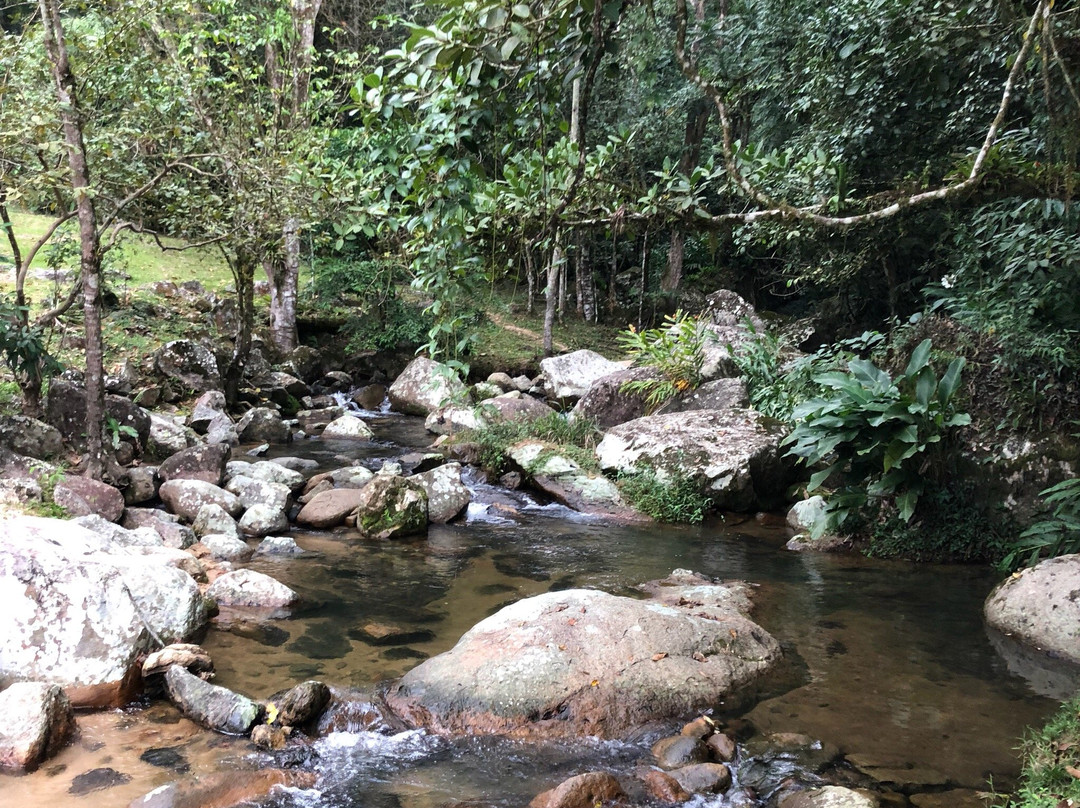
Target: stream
889, 661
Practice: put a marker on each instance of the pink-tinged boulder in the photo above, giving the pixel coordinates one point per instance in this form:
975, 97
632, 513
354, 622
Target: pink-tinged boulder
37, 722
329, 508
81, 496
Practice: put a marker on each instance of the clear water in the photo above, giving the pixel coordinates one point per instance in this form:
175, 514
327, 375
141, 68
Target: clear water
888, 660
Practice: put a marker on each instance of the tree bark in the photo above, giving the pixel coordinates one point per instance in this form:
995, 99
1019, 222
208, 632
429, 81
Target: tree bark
697, 120
89, 240
284, 277
551, 297
242, 265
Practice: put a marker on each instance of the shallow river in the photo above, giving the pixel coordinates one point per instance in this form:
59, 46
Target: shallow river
888, 661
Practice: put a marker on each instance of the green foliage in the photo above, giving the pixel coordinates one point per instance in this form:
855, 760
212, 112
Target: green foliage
667, 499
1049, 753
675, 351
952, 525
23, 345
116, 431
576, 439
877, 435
1057, 535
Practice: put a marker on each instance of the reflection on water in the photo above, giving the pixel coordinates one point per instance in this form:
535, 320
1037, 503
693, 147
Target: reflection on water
887, 660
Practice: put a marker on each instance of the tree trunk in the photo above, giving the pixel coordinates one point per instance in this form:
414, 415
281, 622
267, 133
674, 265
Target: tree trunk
89, 240
551, 298
697, 120
612, 296
242, 265
644, 280
284, 277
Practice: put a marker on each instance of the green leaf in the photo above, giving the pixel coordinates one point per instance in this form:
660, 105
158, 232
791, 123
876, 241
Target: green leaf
919, 359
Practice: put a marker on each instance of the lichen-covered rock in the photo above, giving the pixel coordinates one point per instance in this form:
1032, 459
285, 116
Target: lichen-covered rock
120, 536
251, 589
80, 496
733, 456
166, 525
347, 427
186, 497
583, 662
720, 394
563, 478
204, 462
37, 722
453, 419
424, 386
208, 406
190, 364
167, 436
261, 520
569, 376
274, 471
262, 425
212, 519
66, 410
142, 485
224, 547
607, 405
391, 507
79, 615
1040, 607
514, 407
30, 437
447, 496
829, 797
213, 707
253, 492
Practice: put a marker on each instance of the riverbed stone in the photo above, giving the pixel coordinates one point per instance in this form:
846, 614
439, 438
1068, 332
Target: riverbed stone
192, 365
447, 496
79, 616
80, 496
514, 407
167, 525
185, 497
274, 471
1040, 607
262, 425
569, 376
213, 707
279, 546
663, 787
229, 789
208, 406
566, 481
679, 750
329, 508
829, 797
351, 477
203, 462
369, 397
222, 431
37, 722
261, 520
347, 427
704, 778
252, 589
587, 790
212, 519
168, 436
424, 386
733, 456
120, 536
253, 492
391, 507
453, 419
605, 403
302, 704
30, 437
66, 410
142, 485
582, 662
226, 548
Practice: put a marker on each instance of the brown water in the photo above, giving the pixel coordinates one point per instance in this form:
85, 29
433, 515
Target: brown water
886, 660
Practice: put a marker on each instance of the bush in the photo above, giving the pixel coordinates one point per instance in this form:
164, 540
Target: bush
881, 438
674, 500
674, 350
576, 439
1050, 777
1057, 535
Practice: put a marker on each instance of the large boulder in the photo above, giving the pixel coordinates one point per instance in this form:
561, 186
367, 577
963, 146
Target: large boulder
81, 496
514, 407
582, 662
211, 706
261, 520
251, 589
329, 508
66, 410
425, 385
569, 376
190, 364
206, 462
347, 427
721, 394
733, 456
262, 425
79, 616
37, 722
607, 405
563, 478
447, 496
391, 507
1040, 607
185, 497
208, 406
30, 437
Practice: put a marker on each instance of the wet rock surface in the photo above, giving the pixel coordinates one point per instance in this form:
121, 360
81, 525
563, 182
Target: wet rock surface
37, 720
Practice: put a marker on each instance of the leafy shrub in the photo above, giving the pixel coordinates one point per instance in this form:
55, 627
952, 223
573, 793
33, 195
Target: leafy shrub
877, 435
1047, 538
23, 347
675, 500
1049, 754
675, 350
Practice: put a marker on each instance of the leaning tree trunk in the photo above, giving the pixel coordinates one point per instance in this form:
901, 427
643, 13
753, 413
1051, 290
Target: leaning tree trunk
90, 246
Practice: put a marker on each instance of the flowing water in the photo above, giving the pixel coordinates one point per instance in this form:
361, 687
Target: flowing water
888, 661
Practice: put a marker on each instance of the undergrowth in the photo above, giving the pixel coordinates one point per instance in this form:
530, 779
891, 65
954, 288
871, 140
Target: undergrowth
675, 500
576, 440
1050, 777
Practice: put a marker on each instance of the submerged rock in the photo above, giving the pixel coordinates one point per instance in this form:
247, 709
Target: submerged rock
1040, 606
251, 589
589, 790
583, 662
37, 722
213, 707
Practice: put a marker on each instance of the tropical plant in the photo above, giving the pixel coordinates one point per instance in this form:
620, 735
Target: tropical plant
666, 500
879, 437
675, 351
1057, 535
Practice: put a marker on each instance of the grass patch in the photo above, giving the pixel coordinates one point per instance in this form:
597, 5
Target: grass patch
1050, 777
574, 439
677, 500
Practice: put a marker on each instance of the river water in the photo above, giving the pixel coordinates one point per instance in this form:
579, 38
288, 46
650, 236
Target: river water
888, 661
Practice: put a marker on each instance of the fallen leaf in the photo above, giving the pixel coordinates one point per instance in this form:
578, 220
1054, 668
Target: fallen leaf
594, 683
658, 657
1073, 772
562, 647
698, 656
571, 622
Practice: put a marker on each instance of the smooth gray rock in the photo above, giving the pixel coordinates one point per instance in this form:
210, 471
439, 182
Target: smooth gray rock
275, 471
1040, 607
720, 394
330, 508
829, 797
347, 427
213, 520
251, 589
425, 386
213, 707
226, 548
279, 546
569, 376
607, 405
261, 520
165, 524
253, 492
186, 497
167, 437
120, 536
